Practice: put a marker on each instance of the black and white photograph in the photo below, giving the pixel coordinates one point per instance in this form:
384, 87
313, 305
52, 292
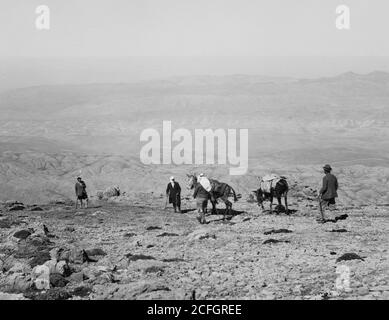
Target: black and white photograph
194, 150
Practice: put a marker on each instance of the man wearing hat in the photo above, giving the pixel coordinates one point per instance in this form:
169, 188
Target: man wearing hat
328, 191
173, 193
81, 194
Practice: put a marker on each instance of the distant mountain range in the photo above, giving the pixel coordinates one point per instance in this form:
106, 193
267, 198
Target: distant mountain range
49, 133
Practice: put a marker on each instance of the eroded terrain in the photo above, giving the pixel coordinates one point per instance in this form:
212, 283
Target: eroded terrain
134, 249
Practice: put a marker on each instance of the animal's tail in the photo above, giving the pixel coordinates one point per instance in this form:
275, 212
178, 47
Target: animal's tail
234, 194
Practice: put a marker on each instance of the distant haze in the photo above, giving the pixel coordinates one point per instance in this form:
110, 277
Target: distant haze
101, 41
25, 72
106, 28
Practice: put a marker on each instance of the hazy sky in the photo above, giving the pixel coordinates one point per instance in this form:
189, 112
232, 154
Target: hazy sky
193, 27
186, 37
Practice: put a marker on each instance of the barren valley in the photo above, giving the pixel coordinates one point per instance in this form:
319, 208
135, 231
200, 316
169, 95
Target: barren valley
51, 134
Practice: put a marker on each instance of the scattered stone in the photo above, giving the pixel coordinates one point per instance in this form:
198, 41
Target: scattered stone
132, 291
98, 213
86, 257
11, 202
18, 267
56, 280
36, 208
5, 223
61, 267
17, 283
69, 229
239, 219
154, 269
349, 256
150, 246
277, 231
129, 235
17, 207
271, 241
135, 257
339, 230
11, 296
77, 256
153, 228
173, 260
201, 234
363, 291
380, 288
333, 253
341, 217
77, 277
110, 192
81, 291
168, 234
60, 254
40, 241
22, 234
95, 252
40, 258
51, 294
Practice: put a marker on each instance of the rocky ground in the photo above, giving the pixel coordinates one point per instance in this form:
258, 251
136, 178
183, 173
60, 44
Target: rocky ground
131, 248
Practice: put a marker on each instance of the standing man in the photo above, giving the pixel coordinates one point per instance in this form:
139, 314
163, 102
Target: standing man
173, 193
328, 191
81, 194
201, 195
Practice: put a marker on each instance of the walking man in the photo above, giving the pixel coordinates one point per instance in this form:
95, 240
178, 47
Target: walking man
173, 194
81, 194
201, 195
328, 191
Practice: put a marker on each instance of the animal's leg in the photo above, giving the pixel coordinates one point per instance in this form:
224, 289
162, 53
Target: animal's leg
229, 207
286, 203
271, 204
202, 216
227, 210
279, 203
213, 207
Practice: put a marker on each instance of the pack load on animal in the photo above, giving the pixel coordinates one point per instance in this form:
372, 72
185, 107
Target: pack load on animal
204, 181
268, 182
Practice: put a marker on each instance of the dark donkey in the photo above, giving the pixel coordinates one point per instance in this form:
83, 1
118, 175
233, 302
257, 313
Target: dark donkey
220, 191
279, 190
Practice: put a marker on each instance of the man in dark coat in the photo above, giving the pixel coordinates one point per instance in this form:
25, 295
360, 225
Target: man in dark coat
328, 191
173, 193
80, 189
201, 195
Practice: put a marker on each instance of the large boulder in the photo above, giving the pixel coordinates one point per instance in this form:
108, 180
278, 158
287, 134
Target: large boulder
12, 296
110, 192
17, 282
20, 267
58, 267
